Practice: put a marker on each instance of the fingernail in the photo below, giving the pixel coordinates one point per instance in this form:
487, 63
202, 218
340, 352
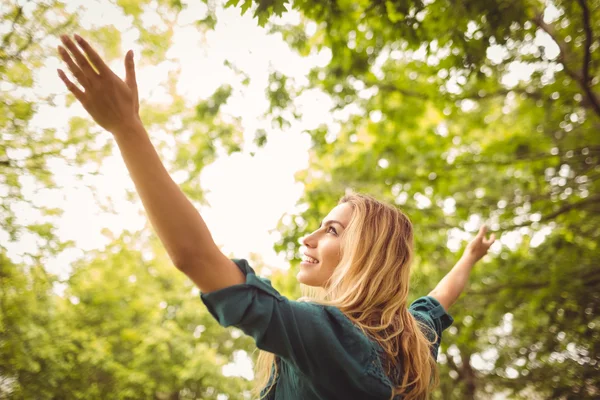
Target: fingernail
78, 38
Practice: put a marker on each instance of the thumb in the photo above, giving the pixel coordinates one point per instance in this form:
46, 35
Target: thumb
130, 80
482, 231
130, 71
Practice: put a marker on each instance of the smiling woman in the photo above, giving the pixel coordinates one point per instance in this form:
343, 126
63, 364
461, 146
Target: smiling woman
359, 339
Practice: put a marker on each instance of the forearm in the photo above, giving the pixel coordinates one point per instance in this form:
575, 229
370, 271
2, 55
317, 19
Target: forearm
452, 285
176, 221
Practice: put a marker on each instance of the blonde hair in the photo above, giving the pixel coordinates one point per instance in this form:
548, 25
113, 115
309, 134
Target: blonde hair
370, 286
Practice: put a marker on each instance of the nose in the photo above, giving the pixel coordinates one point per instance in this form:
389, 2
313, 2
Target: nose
309, 240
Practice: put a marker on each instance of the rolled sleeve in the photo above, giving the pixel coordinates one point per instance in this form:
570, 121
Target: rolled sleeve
240, 304
431, 312
314, 338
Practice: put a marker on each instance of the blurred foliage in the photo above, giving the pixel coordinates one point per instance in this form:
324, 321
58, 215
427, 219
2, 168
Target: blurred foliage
123, 328
24, 151
128, 326
426, 117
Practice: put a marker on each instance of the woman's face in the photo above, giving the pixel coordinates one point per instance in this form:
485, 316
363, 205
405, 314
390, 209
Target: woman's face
323, 245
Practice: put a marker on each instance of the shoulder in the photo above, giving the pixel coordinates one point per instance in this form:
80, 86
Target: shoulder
429, 310
332, 328
435, 318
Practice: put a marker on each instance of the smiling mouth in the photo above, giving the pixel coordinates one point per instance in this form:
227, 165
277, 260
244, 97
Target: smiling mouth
309, 260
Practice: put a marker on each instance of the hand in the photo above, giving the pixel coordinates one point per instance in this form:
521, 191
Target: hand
478, 247
112, 102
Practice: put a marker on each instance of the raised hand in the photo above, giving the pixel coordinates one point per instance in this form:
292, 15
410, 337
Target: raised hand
112, 102
478, 247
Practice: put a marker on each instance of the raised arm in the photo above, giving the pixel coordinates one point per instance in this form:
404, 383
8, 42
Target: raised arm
113, 104
451, 286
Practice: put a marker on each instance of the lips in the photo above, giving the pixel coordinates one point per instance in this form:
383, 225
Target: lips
310, 261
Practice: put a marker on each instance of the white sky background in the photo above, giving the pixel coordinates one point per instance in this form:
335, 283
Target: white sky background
247, 194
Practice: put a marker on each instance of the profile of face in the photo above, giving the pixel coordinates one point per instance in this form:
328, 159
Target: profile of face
322, 247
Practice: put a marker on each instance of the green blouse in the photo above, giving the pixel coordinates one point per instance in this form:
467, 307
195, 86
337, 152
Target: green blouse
322, 354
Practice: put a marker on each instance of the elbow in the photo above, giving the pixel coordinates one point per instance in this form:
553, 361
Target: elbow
185, 260
445, 299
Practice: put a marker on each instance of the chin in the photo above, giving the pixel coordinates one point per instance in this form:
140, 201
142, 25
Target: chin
308, 279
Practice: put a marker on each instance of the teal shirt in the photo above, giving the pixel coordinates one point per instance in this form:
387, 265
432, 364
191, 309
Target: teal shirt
322, 354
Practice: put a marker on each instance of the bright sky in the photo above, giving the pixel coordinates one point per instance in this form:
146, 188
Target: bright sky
247, 194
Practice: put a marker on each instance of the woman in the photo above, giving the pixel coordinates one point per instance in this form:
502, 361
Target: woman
354, 339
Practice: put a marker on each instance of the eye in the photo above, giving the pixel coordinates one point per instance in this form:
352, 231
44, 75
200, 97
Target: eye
332, 228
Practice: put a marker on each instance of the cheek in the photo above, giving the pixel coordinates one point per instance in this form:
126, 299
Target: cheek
331, 255
317, 275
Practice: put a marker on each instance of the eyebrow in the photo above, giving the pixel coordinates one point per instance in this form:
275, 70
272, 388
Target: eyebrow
333, 221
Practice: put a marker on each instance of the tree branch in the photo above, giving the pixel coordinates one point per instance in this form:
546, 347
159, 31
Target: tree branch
526, 157
564, 51
462, 96
405, 92
511, 285
585, 70
499, 92
7, 37
563, 56
564, 209
589, 278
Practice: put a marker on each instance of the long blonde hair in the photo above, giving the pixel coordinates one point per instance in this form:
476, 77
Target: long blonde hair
370, 286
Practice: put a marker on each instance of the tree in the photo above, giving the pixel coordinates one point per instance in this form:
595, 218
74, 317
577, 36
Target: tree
429, 117
26, 150
87, 345
127, 327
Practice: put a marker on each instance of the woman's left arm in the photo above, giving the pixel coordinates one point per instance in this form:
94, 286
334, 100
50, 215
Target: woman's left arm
113, 104
452, 285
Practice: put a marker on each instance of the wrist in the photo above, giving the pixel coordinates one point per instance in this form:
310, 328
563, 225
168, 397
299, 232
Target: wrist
469, 258
128, 128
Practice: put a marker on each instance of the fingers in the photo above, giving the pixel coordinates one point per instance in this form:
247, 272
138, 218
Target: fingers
491, 240
77, 72
79, 95
80, 59
92, 55
481, 236
488, 242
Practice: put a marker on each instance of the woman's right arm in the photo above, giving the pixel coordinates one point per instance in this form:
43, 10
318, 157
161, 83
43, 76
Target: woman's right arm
113, 104
178, 224
453, 284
